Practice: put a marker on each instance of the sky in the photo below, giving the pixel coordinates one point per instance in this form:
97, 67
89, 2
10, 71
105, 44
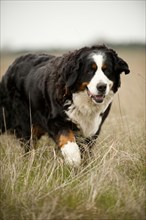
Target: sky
52, 24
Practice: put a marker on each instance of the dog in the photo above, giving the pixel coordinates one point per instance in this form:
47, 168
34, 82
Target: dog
42, 93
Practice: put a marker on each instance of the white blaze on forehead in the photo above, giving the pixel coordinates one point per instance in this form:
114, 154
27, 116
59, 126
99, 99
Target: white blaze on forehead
99, 59
99, 76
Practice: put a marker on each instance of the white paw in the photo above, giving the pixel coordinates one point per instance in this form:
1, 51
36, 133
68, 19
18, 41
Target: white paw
71, 154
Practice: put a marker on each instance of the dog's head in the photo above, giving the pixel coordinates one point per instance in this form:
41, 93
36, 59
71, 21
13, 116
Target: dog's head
96, 70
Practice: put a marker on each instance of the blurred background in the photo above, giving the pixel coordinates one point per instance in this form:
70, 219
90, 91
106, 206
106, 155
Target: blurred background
59, 26
45, 25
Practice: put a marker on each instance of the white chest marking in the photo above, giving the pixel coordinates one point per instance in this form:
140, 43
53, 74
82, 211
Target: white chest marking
86, 114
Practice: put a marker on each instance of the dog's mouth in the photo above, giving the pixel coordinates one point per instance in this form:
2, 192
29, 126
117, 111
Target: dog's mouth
96, 98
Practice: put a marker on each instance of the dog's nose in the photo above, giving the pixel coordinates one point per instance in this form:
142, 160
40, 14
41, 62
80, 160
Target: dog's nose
101, 87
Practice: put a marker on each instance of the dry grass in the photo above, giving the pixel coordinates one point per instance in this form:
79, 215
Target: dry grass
111, 185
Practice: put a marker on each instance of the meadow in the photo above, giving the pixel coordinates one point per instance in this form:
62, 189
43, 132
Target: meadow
109, 185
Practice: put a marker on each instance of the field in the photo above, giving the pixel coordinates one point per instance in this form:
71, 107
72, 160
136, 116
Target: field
108, 185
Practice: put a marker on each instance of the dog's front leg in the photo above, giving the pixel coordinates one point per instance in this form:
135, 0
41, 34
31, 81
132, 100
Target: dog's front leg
69, 148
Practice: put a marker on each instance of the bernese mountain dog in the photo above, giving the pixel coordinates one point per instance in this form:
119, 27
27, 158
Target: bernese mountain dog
41, 93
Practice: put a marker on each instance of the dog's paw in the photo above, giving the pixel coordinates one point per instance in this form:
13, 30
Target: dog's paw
71, 154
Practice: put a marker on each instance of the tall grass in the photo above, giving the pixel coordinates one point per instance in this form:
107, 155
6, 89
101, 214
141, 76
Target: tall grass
110, 185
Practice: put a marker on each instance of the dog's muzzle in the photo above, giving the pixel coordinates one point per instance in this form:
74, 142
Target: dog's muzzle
97, 98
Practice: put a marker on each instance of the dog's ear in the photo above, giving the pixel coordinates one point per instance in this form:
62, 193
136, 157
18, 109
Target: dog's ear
71, 69
72, 77
121, 66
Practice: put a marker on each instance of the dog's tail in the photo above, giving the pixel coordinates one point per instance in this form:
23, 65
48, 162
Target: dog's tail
5, 109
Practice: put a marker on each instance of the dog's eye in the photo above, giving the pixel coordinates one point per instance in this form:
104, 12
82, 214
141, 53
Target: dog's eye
94, 66
104, 67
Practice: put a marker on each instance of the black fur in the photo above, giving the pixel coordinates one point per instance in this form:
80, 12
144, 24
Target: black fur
36, 86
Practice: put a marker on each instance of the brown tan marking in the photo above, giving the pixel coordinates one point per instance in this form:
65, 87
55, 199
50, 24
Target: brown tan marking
64, 138
37, 131
83, 86
65, 91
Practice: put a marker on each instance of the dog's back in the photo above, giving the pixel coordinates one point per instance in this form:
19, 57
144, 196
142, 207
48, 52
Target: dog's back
12, 83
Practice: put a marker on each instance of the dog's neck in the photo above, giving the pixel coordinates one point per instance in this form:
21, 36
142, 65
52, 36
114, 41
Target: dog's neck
86, 114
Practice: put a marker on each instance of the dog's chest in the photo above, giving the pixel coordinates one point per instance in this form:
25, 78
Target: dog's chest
86, 114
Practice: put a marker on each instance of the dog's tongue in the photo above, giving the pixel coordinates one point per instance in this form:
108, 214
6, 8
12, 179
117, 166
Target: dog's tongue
98, 98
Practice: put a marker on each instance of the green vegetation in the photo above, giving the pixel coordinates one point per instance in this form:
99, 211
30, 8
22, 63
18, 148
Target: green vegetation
110, 185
